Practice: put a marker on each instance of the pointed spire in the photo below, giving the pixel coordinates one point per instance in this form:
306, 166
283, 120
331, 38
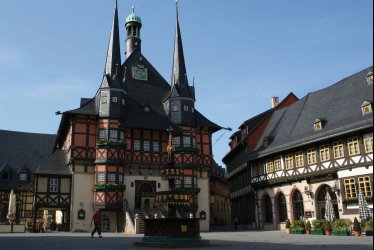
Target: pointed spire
179, 74
113, 58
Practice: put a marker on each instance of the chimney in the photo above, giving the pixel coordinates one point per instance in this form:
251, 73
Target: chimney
274, 101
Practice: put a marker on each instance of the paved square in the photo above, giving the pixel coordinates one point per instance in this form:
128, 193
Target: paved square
219, 240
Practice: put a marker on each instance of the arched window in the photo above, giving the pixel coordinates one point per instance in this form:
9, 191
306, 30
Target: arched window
282, 208
268, 210
297, 205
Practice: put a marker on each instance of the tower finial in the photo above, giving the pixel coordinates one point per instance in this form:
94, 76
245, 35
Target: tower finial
176, 6
133, 9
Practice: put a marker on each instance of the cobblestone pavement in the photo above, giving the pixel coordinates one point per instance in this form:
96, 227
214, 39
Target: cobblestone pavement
219, 240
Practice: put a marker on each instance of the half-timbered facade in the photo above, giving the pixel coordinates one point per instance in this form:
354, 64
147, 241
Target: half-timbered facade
116, 142
321, 143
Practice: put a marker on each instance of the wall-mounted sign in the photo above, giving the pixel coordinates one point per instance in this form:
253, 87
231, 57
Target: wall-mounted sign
81, 214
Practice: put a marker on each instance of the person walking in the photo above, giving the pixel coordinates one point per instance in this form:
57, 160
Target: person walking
96, 221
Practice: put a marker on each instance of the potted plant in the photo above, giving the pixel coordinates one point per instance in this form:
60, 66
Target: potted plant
369, 227
308, 227
298, 227
327, 228
340, 227
288, 227
356, 227
318, 227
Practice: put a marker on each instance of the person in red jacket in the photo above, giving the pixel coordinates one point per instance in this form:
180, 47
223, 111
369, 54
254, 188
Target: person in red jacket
96, 221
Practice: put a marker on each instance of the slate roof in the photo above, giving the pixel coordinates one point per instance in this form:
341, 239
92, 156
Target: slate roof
22, 151
140, 93
57, 164
339, 104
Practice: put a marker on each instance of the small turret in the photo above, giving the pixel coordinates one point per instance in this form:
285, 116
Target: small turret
181, 102
133, 26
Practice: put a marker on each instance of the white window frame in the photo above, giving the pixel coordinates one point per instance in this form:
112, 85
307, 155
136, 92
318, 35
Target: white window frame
137, 145
174, 108
186, 141
23, 176
114, 99
185, 108
111, 177
103, 133
156, 146
101, 177
312, 156
113, 134
53, 185
146, 146
177, 141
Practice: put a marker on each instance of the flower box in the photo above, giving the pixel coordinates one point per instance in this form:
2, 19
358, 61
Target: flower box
318, 232
341, 233
298, 232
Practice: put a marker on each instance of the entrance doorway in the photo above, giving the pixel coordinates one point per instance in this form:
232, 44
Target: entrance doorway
321, 202
145, 191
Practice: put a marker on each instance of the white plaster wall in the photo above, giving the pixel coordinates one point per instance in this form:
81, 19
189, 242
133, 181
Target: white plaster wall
203, 201
82, 198
355, 172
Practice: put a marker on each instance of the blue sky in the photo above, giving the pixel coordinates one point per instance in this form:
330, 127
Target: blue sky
241, 52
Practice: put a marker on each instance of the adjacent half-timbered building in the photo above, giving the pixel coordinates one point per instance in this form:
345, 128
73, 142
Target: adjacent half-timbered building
52, 190
318, 144
20, 154
116, 142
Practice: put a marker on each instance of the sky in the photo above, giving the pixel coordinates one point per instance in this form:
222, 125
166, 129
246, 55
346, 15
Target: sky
241, 53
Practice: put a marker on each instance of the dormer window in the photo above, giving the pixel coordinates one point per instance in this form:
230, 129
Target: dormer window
366, 108
319, 124
23, 176
147, 108
267, 141
5, 176
369, 78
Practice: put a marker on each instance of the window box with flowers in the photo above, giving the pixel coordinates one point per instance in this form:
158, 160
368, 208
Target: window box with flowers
111, 143
185, 149
109, 187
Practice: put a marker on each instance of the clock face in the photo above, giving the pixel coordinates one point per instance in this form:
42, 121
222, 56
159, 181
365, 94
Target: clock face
139, 72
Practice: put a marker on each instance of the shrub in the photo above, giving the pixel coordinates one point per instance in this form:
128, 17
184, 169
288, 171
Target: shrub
369, 225
298, 225
308, 226
356, 225
317, 225
288, 224
327, 226
340, 226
